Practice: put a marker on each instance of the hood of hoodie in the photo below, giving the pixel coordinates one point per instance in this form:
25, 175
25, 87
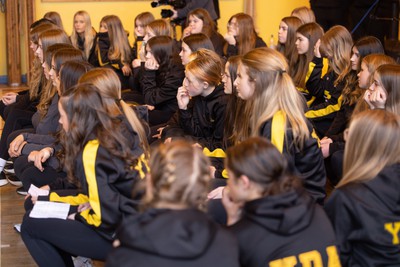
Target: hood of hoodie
283, 214
183, 234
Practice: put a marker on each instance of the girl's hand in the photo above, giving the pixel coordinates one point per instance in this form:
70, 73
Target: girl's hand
84, 206
16, 146
325, 140
126, 70
9, 98
71, 216
151, 64
377, 99
317, 53
186, 32
150, 107
34, 199
197, 145
233, 209
142, 52
158, 135
216, 193
136, 63
324, 143
325, 149
39, 157
230, 38
183, 97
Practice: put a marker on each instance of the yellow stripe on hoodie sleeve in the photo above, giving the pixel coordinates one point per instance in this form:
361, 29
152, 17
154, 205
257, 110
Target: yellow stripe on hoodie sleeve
278, 130
72, 200
89, 165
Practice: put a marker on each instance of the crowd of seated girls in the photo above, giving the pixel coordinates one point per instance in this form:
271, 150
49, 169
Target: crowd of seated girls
219, 152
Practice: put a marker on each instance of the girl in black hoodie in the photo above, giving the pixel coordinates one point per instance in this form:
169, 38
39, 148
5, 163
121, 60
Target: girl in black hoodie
172, 231
275, 220
364, 209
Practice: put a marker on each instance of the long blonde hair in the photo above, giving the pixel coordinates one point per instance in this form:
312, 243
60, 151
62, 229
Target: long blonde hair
119, 44
336, 45
373, 143
90, 34
274, 91
107, 81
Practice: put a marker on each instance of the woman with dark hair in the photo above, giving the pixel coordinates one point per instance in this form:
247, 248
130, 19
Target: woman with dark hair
41, 167
286, 40
272, 216
161, 76
104, 165
192, 43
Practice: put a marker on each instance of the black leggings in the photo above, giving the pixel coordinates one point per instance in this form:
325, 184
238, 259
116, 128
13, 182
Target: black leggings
52, 242
29, 174
16, 120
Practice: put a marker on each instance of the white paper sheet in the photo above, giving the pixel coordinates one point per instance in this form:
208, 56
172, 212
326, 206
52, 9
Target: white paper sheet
48, 209
35, 191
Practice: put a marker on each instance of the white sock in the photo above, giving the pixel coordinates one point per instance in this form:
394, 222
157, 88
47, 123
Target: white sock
2, 164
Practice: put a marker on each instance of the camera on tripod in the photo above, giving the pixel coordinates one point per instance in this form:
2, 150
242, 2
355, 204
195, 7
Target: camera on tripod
166, 13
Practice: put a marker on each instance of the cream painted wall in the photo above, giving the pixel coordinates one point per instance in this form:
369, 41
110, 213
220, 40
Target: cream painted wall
268, 16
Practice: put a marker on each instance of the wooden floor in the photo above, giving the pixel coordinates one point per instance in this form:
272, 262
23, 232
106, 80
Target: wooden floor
13, 251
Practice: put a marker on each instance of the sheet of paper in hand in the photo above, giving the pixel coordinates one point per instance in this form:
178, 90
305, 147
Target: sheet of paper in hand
48, 209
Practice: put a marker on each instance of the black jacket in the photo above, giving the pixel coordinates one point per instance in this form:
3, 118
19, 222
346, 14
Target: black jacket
218, 42
308, 162
328, 97
203, 121
106, 184
339, 124
281, 226
160, 87
99, 58
363, 215
173, 238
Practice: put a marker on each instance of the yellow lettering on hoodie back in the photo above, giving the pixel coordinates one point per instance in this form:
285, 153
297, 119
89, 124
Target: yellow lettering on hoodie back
394, 229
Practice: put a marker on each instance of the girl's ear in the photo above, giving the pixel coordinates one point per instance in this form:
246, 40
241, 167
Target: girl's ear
244, 181
206, 85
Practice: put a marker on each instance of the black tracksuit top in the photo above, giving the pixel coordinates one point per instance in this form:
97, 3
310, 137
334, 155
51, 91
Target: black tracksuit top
366, 218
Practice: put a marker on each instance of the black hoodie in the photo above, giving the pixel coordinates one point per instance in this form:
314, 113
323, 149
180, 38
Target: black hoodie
163, 238
285, 228
366, 218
